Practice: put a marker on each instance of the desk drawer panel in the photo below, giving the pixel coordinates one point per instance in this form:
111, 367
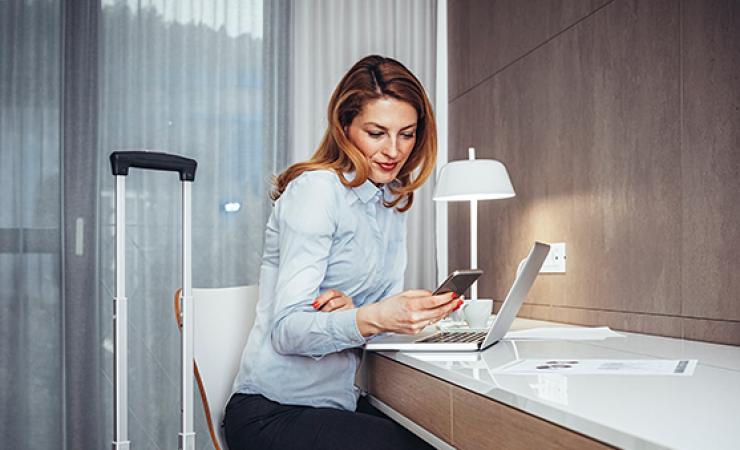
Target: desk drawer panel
481, 423
418, 396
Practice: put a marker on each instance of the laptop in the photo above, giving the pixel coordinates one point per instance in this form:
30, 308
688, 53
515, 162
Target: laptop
472, 340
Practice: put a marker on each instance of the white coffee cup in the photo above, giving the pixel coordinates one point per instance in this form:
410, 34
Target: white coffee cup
477, 312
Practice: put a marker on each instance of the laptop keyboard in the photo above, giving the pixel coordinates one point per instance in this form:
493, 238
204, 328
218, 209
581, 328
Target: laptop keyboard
455, 337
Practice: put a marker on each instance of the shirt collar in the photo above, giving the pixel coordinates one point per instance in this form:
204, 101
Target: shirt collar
367, 191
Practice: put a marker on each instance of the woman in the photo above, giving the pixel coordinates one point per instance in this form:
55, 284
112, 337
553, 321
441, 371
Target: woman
332, 271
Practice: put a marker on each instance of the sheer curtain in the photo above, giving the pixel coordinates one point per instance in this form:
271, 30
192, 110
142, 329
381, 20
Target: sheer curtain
188, 78
31, 315
77, 81
329, 36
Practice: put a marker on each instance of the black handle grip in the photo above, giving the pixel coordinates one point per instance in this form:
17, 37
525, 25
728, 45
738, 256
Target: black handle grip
121, 161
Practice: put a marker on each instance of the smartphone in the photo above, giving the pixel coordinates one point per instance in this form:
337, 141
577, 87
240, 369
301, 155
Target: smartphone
458, 282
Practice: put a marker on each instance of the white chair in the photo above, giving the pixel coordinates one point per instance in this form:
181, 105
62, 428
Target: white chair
222, 320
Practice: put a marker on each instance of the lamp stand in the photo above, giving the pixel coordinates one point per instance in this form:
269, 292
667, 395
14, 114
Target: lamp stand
474, 245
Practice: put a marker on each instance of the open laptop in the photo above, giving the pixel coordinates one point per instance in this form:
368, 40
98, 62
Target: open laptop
470, 340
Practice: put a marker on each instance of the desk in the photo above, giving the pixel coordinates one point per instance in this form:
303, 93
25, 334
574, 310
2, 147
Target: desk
457, 399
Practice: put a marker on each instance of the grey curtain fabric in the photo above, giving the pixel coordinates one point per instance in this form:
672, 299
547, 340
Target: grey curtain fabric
331, 35
77, 81
187, 78
31, 309
84, 389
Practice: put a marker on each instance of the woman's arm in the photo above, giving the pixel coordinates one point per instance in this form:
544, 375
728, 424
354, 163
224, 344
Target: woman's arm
306, 225
332, 300
407, 313
306, 222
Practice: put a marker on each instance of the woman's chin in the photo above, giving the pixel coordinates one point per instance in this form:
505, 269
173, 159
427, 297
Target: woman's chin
382, 178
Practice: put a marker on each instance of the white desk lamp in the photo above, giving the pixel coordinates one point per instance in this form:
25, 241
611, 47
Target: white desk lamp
473, 180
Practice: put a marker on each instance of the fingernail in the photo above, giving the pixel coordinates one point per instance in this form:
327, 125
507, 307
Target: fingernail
454, 295
315, 305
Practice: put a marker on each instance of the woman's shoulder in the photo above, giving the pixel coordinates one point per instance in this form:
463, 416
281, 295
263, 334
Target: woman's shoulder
315, 182
324, 175
310, 202
315, 187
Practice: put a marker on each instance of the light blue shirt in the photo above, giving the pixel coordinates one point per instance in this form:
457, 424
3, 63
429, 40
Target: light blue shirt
320, 235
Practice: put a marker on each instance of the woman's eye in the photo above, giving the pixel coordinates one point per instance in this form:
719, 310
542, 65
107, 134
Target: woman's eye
408, 135
375, 134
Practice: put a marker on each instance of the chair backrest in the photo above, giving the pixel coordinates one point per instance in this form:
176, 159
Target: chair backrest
223, 318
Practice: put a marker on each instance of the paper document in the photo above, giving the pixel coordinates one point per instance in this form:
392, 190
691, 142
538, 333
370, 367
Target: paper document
683, 367
562, 333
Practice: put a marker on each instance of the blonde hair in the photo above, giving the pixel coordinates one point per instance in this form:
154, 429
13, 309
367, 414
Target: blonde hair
371, 78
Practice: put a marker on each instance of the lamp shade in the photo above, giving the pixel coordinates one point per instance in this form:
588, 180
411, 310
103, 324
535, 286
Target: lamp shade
473, 179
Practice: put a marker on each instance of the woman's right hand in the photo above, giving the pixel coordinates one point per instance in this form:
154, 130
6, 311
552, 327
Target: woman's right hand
407, 313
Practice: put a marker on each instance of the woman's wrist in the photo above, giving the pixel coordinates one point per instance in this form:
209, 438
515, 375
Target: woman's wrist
367, 320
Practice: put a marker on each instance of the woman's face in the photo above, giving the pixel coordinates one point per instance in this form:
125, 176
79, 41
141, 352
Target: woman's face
385, 132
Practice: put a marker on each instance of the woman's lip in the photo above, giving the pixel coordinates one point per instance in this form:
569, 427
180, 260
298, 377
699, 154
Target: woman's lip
387, 167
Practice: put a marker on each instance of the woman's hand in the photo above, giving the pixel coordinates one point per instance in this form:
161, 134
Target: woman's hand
407, 313
332, 300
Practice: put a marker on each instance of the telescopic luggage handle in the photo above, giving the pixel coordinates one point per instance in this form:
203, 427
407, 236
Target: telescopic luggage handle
120, 162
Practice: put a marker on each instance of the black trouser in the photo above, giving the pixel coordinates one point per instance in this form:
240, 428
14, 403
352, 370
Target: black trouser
255, 422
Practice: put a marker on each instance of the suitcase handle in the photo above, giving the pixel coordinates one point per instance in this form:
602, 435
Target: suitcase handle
121, 161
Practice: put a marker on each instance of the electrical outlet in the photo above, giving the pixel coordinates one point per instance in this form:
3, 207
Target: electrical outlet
556, 258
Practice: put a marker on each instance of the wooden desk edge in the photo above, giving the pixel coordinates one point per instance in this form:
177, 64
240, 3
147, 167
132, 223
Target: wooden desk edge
463, 419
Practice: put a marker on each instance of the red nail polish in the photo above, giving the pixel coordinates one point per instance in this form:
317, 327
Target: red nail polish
454, 295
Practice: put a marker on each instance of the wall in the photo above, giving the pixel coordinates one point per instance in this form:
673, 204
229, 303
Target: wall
619, 123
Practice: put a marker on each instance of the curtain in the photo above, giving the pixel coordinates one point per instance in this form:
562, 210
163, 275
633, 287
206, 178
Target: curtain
329, 36
186, 78
31, 361
77, 81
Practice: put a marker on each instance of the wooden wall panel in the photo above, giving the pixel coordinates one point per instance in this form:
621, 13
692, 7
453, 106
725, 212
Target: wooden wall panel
622, 137
516, 26
710, 159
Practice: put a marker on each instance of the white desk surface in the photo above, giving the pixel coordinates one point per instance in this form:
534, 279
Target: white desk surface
701, 411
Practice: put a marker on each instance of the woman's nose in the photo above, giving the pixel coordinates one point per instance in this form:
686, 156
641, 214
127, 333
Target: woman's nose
391, 150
